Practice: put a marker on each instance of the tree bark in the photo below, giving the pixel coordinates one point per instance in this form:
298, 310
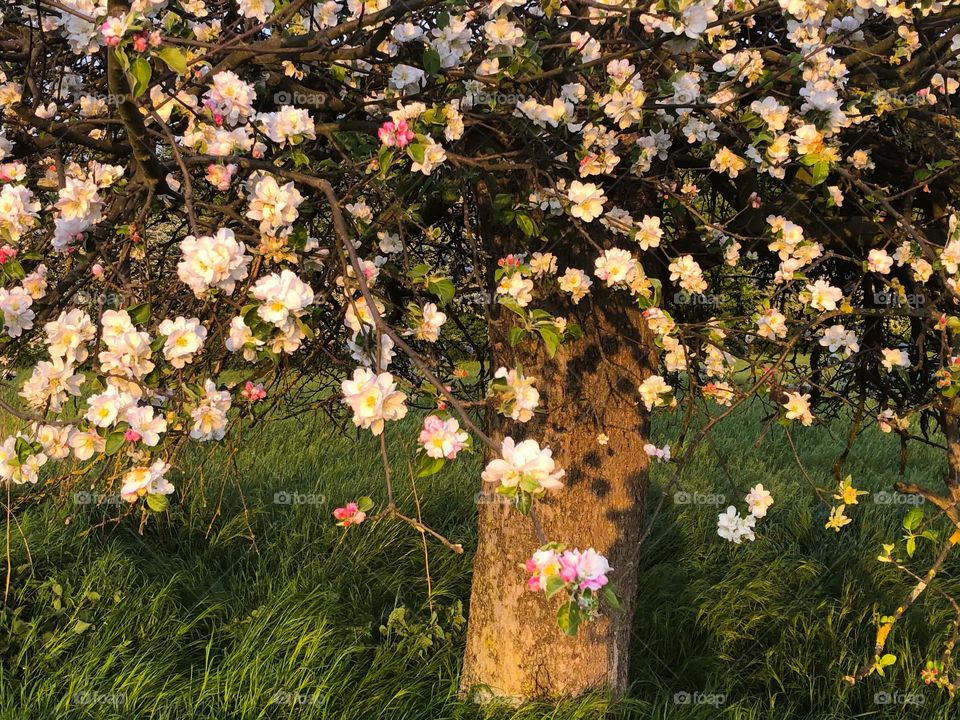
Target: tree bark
951, 430
514, 648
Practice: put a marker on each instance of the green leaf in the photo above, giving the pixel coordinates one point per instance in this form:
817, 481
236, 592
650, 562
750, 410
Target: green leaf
528, 483
913, 518
525, 223
551, 338
81, 627
820, 172
140, 71
384, 160
554, 585
419, 271
415, 152
510, 304
431, 61
300, 159
911, 545
14, 270
157, 503
568, 618
427, 465
443, 288
174, 59
249, 314
122, 58
524, 502
139, 314
609, 593
23, 449
364, 504
114, 442
515, 335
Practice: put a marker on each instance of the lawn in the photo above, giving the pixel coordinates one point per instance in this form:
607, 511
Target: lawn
243, 605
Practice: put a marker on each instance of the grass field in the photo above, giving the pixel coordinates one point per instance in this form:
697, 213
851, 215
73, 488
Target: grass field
243, 607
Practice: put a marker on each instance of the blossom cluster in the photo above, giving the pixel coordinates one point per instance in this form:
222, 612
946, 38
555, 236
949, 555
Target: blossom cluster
732, 526
580, 577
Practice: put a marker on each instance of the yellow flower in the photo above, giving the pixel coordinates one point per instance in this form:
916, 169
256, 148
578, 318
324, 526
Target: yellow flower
847, 493
837, 518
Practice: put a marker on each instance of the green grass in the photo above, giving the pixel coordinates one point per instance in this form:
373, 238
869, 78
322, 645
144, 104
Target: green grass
235, 598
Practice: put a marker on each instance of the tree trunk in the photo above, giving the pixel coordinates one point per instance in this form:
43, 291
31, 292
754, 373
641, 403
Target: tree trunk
514, 648
951, 430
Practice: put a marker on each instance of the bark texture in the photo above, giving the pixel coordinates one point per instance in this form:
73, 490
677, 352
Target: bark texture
514, 648
951, 429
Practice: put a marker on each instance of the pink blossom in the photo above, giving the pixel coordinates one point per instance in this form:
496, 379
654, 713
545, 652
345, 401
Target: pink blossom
568, 567
112, 30
220, 176
349, 515
139, 43
579, 570
395, 134
542, 565
442, 438
253, 393
7, 254
132, 435
592, 569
